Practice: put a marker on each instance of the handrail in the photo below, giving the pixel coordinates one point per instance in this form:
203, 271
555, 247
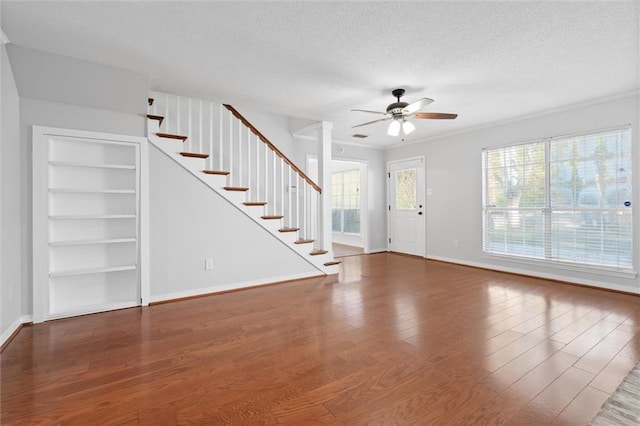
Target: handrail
266, 141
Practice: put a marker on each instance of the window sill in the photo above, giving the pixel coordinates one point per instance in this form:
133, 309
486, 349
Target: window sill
590, 269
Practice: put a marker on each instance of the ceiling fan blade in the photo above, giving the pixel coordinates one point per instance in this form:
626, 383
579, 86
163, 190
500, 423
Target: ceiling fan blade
435, 115
417, 105
366, 110
371, 122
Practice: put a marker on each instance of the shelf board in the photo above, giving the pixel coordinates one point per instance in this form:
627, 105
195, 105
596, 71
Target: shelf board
91, 216
92, 165
90, 242
92, 191
89, 271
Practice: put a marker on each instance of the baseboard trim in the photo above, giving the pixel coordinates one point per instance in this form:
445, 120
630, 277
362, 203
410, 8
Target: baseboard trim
384, 250
13, 330
228, 288
551, 277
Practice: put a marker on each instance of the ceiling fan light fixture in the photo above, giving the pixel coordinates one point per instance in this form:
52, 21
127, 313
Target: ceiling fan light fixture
408, 127
394, 128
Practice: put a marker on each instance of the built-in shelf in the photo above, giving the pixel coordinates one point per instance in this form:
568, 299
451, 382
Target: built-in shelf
91, 242
92, 191
89, 271
99, 166
86, 222
91, 216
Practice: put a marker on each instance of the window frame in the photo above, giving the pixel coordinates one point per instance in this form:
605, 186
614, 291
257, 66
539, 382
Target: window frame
547, 209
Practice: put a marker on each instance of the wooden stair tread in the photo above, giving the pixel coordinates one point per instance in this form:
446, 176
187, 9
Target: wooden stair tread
150, 101
288, 229
318, 252
215, 172
302, 241
156, 117
275, 216
194, 155
172, 136
255, 203
333, 262
236, 188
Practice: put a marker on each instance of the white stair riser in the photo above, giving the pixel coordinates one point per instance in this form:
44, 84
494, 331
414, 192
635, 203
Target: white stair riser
215, 181
236, 197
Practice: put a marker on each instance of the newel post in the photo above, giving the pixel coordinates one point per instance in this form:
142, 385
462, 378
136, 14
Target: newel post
324, 180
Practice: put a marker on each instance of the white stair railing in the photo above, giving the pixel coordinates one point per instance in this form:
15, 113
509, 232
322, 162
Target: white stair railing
234, 145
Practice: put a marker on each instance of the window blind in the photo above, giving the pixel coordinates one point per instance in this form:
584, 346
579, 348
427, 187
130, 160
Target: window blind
566, 199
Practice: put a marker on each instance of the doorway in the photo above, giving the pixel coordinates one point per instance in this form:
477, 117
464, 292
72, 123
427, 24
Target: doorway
349, 201
406, 206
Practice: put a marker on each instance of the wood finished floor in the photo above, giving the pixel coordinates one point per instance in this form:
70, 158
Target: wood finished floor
398, 340
342, 250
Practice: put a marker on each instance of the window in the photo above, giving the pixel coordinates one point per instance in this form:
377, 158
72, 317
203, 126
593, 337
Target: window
562, 199
345, 201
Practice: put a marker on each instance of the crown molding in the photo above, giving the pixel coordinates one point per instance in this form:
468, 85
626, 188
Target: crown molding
628, 94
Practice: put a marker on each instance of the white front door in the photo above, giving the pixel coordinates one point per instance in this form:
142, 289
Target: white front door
406, 207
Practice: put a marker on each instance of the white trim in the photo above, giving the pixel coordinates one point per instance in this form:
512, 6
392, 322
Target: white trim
144, 264
24, 319
379, 250
230, 286
94, 309
10, 330
574, 267
563, 136
543, 275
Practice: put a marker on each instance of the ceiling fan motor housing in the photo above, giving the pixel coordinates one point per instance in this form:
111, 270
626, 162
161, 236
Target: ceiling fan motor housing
396, 108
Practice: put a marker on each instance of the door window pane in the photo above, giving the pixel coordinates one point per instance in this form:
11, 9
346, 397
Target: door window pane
406, 189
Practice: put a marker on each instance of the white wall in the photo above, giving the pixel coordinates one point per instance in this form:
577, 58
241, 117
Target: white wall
190, 223
51, 77
275, 127
10, 256
453, 173
74, 95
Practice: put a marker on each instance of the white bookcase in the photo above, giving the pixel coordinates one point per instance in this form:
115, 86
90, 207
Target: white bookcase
87, 217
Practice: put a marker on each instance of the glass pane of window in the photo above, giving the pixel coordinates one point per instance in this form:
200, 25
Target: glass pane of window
336, 220
592, 237
516, 176
406, 189
519, 233
573, 206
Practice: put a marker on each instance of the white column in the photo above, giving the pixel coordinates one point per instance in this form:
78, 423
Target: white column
324, 181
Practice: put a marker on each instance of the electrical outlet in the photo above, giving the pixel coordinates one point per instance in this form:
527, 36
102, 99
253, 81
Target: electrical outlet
456, 243
208, 264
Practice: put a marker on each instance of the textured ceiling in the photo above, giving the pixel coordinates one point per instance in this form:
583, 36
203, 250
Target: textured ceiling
486, 61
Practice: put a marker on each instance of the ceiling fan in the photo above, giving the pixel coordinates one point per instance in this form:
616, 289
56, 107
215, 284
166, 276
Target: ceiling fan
401, 112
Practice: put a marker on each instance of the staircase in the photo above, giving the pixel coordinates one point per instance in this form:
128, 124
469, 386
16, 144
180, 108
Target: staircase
218, 146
